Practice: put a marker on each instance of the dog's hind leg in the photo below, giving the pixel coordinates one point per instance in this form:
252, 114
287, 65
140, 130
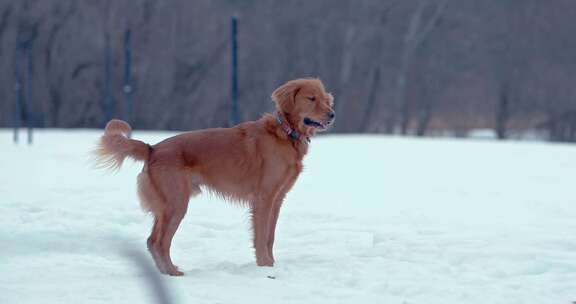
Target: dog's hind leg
176, 188
152, 201
174, 219
153, 242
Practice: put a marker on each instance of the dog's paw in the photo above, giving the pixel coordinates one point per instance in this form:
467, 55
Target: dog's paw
175, 273
170, 270
265, 262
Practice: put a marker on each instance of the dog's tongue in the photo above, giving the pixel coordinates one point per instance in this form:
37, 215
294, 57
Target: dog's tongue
314, 123
322, 125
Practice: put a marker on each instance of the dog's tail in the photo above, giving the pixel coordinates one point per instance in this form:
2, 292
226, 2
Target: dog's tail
115, 145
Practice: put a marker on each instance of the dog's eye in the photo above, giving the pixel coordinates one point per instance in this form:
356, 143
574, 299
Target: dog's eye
312, 98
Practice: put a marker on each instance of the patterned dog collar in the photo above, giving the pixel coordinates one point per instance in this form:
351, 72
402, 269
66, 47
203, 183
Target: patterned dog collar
292, 134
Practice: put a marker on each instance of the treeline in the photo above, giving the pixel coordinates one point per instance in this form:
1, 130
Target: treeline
420, 67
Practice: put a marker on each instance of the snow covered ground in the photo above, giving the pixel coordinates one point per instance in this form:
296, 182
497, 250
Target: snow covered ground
372, 219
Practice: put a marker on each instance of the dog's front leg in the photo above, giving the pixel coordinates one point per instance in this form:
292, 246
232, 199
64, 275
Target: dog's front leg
261, 213
272, 229
275, 211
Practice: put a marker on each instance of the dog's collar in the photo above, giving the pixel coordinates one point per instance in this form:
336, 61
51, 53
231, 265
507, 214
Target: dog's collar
292, 133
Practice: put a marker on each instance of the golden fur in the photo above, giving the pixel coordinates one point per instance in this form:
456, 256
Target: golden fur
255, 162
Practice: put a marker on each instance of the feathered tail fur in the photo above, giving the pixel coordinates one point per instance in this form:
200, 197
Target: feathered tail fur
115, 145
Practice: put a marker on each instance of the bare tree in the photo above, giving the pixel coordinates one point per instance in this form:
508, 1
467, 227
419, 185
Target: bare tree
418, 30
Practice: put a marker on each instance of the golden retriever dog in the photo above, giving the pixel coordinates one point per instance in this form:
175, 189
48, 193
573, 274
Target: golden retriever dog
255, 163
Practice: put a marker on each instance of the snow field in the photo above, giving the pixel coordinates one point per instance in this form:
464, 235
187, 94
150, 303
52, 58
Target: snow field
372, 219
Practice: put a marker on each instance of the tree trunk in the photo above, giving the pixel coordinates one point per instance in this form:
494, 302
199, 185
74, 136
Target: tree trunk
424, 119
503, 112
415, 36
369, 110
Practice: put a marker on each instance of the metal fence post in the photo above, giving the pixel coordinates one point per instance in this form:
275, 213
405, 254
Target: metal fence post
128, 90
30, 116
108, 99
19, 93
234, 119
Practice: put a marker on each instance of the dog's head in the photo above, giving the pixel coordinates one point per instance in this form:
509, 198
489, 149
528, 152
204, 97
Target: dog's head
306, 103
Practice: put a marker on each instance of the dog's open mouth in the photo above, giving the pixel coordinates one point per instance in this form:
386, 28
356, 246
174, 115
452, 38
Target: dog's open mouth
316, 124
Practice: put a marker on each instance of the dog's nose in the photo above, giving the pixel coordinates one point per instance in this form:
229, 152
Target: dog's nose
331, 115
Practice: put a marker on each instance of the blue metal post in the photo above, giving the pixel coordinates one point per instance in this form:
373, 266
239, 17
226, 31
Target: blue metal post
108, 101
30, 116
19, 92
128, 90
234, 114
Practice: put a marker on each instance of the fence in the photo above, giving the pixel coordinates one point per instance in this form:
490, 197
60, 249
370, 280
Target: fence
24, 76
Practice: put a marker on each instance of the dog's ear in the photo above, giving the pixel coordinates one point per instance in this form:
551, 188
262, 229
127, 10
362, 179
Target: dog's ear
285, 95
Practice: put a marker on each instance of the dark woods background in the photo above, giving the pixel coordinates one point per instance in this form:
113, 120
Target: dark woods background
423, 67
